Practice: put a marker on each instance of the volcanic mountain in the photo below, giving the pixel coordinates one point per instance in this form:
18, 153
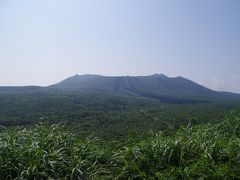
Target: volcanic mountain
156, 86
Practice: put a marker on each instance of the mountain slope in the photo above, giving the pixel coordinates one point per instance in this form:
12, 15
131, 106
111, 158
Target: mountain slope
156, 82
157, 86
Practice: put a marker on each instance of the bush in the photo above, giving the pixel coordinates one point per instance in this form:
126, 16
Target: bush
209, 151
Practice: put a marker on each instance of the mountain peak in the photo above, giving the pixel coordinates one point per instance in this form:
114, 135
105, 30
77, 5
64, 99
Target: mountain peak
160, 75
158, 85
76, 76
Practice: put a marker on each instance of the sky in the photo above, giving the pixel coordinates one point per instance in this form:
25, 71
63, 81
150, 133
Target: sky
45, 41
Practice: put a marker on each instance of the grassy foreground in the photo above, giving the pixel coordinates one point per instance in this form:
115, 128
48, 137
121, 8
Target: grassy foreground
210, 151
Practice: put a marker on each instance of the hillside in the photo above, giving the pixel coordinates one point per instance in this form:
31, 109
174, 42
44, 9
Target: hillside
208, 151
156, 86
135, 84
19, 89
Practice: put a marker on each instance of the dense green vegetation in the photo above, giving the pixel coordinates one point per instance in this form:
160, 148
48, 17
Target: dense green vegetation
207, 151
104, 115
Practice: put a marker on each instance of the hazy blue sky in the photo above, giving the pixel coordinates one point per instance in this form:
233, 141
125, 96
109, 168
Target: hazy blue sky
45, 41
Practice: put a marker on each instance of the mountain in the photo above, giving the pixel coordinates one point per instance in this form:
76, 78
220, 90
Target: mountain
156, 83
110, 105
156, 86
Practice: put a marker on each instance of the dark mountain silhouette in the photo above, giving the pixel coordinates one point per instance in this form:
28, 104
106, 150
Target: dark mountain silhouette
156, 86
157, 83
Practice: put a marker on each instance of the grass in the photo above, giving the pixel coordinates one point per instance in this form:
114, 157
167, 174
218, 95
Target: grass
210, 151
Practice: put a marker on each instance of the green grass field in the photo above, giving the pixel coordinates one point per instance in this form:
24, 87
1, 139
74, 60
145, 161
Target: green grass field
208, 151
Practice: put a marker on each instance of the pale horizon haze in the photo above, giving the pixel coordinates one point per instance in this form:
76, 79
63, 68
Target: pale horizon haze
45, 41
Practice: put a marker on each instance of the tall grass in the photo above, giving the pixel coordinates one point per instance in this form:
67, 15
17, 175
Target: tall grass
48, 152
210, 151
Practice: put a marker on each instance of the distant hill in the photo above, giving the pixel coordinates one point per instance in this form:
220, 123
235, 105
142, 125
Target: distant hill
19, 89
156, 86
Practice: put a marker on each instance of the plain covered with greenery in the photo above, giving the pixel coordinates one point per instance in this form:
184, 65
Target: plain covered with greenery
209, 151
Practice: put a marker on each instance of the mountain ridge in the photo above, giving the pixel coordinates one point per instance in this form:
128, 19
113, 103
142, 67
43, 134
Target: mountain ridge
85, 78
155, 86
